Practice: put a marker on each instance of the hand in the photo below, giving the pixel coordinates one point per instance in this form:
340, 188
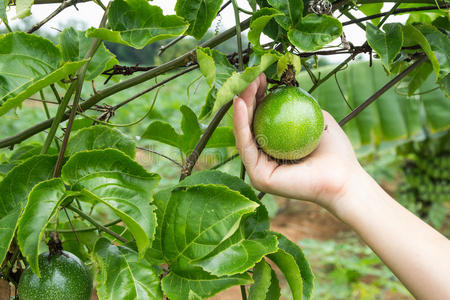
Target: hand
321, 177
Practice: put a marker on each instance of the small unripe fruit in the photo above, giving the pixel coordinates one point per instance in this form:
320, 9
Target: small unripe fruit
288, 124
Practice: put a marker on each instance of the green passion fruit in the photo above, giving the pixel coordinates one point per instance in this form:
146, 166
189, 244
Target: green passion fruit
288, 124
63, 276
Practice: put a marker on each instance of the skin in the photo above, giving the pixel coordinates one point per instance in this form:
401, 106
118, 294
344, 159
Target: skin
332, 177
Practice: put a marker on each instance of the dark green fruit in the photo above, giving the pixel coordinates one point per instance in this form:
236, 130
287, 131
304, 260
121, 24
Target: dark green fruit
288, 124
63, 277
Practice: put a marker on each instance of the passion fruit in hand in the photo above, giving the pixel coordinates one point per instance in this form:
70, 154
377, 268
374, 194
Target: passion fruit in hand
63, 276
288, 124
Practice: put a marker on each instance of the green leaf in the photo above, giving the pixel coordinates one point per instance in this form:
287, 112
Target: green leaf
43, 203
416, 78
28, 64
288, 266
444, 84
258, 23
412, 37
162, 132
221, 137
136, 23
292, 10
114, 179
440, 45
122, 275
181, 282
262, 275
217, 69
239, 257
191, 129
274, 291
386, 44
313, 32
199, 218
14, 194
238, 81
100, 137
23, 8
3, 6
199, 14
372, 9
301, 261
286, 60
74, 46
71, 242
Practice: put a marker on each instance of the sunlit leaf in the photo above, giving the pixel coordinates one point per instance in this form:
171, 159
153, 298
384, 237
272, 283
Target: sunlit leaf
100, 137
43, 203
136, 23
122, 275
439, 44
14, 194
28, 64
386, 44
199, 14
286, 263
370, 9
286, 60
313, 32
23, 8
191, 129
221, 137
258, 23
74, 47
162, 132
262, 275
114, 179
292, 10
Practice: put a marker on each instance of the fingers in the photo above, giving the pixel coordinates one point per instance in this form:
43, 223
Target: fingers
244, 137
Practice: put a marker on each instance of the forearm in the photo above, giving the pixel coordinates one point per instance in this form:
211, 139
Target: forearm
417, 254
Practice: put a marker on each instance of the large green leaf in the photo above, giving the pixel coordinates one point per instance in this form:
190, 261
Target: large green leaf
110, 177
416, 78
258, 23
386, 44
199, 218
14, 191
100, 137
74, 46
199, 14
238, 257
160, 199
136, 23
221, 137
288, 266
184, 281
239, 81
302, 263
292, 10
274, 291
3, 16
28, 63
23, 8
43, 203
313, 32
21, 153
262, 275
122, 275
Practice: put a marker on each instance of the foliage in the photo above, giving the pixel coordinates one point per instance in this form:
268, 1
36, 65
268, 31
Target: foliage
147, 234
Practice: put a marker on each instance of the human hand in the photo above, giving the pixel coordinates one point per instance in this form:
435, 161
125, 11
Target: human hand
322, 177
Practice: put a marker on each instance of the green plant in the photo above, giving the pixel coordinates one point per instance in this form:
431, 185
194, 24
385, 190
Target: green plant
192, 238
288, 124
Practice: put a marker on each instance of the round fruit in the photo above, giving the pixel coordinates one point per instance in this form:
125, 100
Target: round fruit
288, 124
63, 276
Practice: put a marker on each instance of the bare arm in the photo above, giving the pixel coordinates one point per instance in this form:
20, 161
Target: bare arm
332, 177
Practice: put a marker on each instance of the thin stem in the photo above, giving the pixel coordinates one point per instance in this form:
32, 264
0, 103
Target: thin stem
162, 155
261, 195
310, 73
85, 229
58, 118
390, 12
102, 94
352, 17
242, 176
395, 12
47, 113
381, 91
243, 292
238, 34
71, 225
99, 226
192, 159
55, 92
245, 11
59, 9
225, 161
8, 27
163, 48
